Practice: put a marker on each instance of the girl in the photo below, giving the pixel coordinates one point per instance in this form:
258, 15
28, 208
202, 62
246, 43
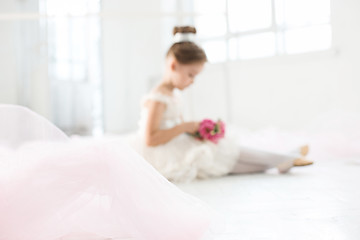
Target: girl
56, 188
179, 156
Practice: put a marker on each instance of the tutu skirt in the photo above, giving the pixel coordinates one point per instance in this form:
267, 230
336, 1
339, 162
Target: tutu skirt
54, 188
184, 158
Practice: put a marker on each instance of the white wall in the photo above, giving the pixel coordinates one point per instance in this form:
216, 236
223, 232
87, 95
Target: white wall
289, 92
131, 57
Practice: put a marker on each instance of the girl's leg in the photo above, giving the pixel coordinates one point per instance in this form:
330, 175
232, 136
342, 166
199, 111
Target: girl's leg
254, 160
242, 167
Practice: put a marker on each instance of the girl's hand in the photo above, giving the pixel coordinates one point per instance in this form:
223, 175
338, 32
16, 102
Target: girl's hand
191, 127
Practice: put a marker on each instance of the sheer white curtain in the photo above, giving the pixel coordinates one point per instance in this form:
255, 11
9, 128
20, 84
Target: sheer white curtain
75, 69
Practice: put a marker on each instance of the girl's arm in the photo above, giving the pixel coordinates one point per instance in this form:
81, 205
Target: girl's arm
155, 136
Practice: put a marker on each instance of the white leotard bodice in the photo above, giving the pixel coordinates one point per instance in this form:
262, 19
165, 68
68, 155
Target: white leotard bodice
172, 115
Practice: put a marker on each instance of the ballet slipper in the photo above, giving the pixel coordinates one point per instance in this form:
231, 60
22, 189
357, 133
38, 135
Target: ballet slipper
304, 150
299, 162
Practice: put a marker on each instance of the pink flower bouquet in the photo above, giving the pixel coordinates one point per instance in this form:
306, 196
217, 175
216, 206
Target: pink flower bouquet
210, 130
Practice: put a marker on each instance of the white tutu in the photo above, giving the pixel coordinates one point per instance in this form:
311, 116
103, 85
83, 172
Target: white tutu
52, 187
184, 158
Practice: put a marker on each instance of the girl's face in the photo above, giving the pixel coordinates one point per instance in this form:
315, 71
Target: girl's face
183, 75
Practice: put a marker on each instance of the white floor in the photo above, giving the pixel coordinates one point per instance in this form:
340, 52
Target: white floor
319, 202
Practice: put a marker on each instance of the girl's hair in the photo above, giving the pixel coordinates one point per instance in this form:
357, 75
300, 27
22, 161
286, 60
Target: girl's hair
186, 52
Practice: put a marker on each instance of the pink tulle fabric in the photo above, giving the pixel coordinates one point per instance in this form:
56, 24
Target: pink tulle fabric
56, 188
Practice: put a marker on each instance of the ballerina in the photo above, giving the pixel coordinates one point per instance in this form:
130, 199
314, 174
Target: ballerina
162, 138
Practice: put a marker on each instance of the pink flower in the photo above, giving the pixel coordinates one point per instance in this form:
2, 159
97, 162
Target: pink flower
210, 130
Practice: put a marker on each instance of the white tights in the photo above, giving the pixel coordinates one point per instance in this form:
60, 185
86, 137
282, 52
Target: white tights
254, 160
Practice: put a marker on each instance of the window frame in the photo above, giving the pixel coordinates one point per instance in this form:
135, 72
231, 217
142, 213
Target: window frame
275, 28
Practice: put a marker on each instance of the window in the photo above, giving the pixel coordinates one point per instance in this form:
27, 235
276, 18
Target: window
74, 66
248, 29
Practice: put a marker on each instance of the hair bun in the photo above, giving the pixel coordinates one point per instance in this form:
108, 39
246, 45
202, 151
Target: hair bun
184, 29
